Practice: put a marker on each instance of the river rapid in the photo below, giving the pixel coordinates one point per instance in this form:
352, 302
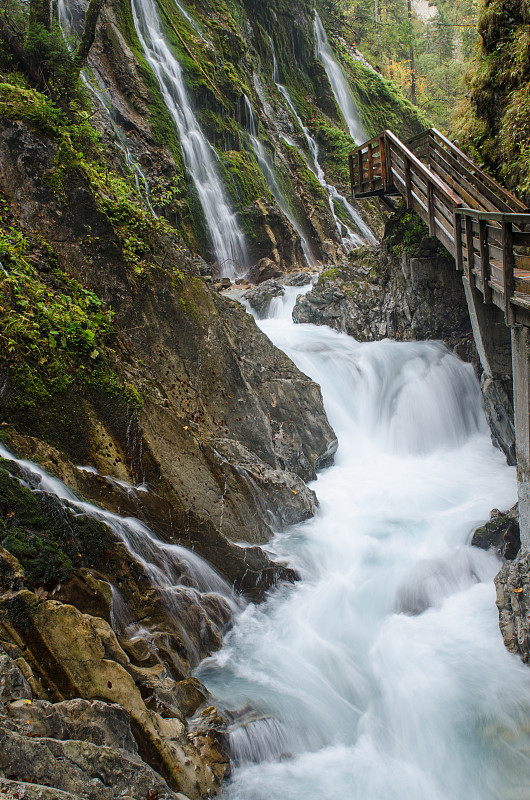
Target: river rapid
382, 674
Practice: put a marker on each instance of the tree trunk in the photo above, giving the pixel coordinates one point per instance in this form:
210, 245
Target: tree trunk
89, 32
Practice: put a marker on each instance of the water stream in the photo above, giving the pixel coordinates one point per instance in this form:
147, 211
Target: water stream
382, 675
338, 84
200, 158
350, 239
173, 571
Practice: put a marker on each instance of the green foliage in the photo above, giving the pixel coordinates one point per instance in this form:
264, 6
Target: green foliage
48, 52
494, 122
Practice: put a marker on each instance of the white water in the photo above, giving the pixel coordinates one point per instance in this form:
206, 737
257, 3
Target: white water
173, 571
338, 84
382, 675
200, 158
267, 169
350, 239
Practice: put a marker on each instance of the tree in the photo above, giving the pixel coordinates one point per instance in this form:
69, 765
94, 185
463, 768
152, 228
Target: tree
37, 46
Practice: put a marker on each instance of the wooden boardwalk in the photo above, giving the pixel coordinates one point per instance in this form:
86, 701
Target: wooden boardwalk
477, 220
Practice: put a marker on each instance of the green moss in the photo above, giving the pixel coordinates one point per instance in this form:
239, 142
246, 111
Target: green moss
48, 539
246, 182
493, 124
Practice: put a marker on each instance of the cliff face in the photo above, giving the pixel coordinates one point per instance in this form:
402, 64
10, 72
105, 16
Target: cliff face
494, 123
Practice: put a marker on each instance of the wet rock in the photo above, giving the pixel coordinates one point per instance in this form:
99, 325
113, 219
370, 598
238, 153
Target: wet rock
501, 533
260, 297
264, 270
11, 572
513, 601
76, 655
77, 767
299, 278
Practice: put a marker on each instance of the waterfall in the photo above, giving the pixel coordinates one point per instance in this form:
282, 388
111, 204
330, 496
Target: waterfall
338, 84
382, 674
173, 571
350, 239
200, 158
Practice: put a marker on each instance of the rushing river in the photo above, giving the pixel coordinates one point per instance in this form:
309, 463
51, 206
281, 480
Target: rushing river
382, 675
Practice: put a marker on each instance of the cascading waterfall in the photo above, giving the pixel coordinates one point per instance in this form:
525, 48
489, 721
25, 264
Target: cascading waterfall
172, 570
200, 158
382, 675
338, 84
275, 189
94, 84
350, 239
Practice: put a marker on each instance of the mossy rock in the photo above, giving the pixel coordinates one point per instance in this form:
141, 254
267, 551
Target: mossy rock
48, 538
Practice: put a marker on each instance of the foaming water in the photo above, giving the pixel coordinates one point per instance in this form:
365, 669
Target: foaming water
382, 675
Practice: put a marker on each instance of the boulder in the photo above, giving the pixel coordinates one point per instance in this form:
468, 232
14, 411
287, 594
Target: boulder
264, 270
501, 533
260, 297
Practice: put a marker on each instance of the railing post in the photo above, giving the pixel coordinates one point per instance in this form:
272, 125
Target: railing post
469, 248
371, 167
458, 241
360, 167
430, 209
408, 183
382, 158
508, 278
388, 160
485, 260
352, 174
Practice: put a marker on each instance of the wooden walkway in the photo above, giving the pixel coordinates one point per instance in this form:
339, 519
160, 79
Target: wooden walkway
479, 222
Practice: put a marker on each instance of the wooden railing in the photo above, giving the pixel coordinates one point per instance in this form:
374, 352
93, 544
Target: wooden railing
479, 222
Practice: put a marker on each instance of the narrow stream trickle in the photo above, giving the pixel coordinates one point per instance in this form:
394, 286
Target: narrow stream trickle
382, 675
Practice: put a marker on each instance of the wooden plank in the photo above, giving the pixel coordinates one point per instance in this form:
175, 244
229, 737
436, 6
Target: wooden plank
510, 200
382, 157
431, 209
370, 166
521, 239
458, 242
419, 167
508, 283
470, 252
484, 260
408, 184
360, 167
468, 181
441, 208
521, 261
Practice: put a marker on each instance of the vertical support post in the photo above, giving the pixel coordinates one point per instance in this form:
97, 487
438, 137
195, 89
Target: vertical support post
382, 158
388, 159
352, 174
469, 249
484, 260
371, 166
457, 222
408, 182
508, 278
431, 209
360, 167
521, 397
